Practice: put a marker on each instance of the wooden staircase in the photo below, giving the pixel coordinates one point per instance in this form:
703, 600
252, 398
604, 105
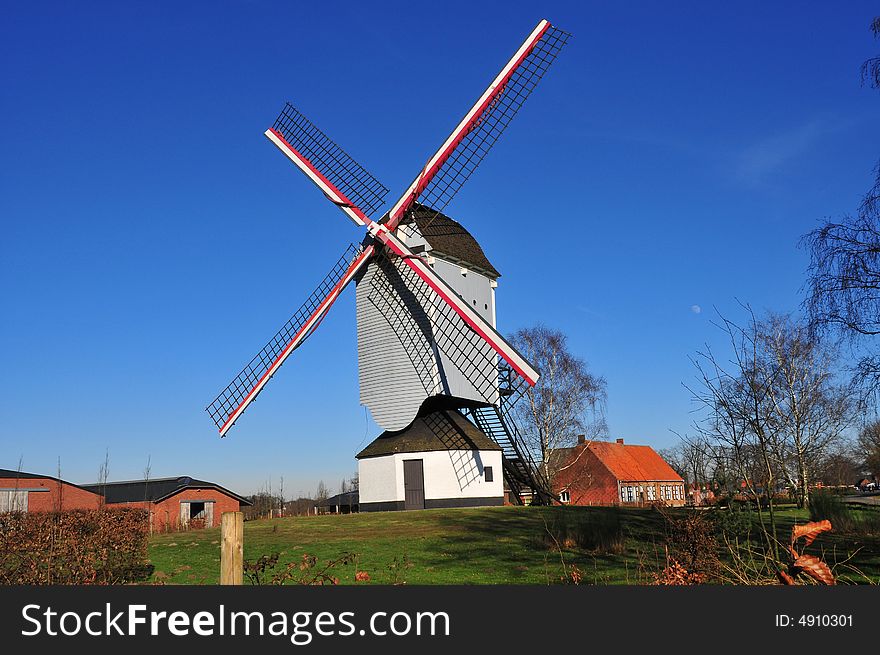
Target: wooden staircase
520, 472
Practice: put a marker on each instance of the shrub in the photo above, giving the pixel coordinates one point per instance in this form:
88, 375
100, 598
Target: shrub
305, 571
599, 531
734, 522
107, 546
846, 517
828, 506
691, 542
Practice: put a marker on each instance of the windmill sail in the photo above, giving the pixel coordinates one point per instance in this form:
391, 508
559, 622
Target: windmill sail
244, 388
464, 149
346, 183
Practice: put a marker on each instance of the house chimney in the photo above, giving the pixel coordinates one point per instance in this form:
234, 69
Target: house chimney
620, 441
582, 438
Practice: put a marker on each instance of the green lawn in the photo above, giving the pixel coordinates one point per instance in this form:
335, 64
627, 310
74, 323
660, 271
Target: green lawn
503, 545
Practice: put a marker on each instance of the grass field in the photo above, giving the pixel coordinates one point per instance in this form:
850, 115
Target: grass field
503, 545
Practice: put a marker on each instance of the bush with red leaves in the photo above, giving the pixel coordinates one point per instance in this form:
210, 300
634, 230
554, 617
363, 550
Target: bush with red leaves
106, 546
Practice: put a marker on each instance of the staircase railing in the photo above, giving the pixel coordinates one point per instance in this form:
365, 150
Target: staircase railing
520, 470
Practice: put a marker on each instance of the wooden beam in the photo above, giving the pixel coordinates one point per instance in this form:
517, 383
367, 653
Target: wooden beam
231, 548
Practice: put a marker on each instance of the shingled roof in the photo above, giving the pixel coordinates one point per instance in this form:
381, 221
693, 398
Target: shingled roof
449, 239
441, 430
154, 490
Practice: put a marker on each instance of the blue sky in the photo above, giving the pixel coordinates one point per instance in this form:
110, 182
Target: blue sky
153, 239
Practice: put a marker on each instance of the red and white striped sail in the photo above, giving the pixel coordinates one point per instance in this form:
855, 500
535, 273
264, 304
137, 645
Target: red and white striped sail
453, 163
229, 405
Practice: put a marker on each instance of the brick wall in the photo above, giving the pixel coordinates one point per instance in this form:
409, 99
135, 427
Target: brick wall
71, 497
166, 514
587, 480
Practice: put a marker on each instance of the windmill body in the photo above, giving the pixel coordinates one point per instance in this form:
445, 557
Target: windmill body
409, 350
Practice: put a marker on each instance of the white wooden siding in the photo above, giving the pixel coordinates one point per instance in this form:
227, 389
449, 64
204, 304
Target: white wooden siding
448, 474
392, 385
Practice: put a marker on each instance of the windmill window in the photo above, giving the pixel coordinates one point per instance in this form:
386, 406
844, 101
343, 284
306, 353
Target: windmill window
487, 473
486, 306
475, 302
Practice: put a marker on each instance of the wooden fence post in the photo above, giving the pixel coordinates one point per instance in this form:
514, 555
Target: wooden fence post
231, 548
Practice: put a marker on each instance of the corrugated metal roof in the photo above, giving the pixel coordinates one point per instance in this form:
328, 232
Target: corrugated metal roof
9, 473
21, 475
153, 490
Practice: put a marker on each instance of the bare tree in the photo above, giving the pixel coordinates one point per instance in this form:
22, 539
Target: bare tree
693, 459
843, 287
60, 502
868, 443
103, 475
810, 412
567, 401
844, 282
281, 495
737, 413
871, 68
774, 409
149, 513
147, 470
841, 467
322, 493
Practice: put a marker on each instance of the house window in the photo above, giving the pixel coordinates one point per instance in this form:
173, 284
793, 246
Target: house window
622, 494
629, 494
651, 493
487, 473
564, 496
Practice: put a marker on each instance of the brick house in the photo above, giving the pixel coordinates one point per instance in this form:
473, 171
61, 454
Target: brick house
32, 492
606, 473
173, 503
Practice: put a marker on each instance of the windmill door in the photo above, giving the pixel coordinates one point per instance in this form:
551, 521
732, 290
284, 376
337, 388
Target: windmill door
413, 484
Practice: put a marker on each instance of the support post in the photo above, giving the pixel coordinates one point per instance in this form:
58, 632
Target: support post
231, 548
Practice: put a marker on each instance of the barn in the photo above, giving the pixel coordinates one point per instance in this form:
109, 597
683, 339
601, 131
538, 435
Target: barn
33, 492
440, 460
605, 473
173, 503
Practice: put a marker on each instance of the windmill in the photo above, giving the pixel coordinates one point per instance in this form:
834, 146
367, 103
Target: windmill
445, 345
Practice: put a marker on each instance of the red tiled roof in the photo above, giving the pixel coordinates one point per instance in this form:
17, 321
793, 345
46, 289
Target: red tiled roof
633, 463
